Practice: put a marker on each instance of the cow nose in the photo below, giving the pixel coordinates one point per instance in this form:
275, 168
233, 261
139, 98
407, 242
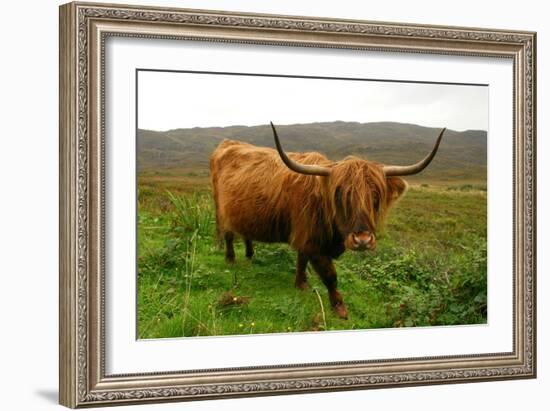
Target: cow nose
364, 240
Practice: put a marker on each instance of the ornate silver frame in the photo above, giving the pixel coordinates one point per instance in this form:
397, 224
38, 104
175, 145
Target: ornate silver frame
83, 30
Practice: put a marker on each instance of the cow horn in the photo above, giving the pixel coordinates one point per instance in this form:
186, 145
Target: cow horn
310, 169
415, 168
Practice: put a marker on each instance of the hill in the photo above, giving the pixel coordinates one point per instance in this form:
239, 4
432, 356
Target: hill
462, 155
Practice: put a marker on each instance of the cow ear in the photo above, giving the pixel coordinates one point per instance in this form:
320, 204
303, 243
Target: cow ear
396, 188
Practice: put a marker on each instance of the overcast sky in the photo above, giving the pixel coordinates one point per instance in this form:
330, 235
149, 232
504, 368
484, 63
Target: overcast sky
184, 100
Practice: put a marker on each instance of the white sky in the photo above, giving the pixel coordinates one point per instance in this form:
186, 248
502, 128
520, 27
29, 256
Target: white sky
168, 100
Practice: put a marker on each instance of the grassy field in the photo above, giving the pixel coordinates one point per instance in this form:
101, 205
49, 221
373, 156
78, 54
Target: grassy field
430, 267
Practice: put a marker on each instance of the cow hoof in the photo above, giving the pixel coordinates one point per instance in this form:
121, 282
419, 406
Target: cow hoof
304, 286
230, 259
341, 311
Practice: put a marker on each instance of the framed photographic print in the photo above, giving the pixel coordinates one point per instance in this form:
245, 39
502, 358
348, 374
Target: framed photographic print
259, 204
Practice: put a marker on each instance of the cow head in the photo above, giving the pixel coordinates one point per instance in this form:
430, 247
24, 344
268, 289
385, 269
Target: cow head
359, 192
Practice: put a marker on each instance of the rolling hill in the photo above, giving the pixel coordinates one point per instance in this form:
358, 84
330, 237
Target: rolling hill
462, 155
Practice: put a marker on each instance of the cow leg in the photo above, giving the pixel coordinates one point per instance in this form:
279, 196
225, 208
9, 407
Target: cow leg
249, 248
301, 276
229, 250
325, 268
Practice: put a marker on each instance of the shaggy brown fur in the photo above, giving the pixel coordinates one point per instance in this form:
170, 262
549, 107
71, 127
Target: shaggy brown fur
259, 198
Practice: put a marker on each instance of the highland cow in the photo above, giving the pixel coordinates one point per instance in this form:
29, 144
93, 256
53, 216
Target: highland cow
319, 207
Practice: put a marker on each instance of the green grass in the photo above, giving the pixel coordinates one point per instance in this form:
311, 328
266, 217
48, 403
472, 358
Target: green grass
430, 268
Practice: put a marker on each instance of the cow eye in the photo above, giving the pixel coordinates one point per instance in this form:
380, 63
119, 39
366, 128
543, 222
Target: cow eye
339, 195
376, 202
